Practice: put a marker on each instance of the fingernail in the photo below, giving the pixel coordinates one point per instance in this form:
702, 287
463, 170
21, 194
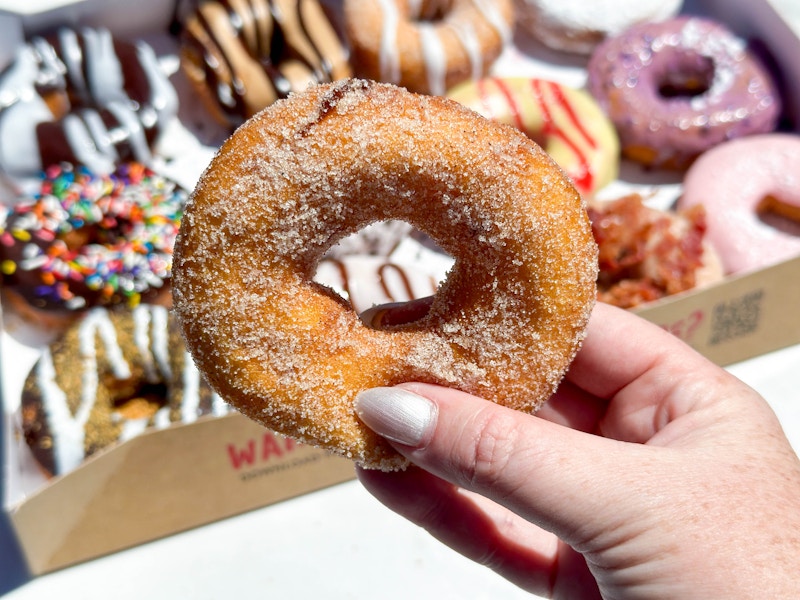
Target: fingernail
397, 414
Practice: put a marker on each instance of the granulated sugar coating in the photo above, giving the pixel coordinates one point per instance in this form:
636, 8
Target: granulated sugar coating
323, 164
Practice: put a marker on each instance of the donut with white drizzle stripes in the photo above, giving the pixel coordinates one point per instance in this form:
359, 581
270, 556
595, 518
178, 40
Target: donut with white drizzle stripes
427, 46
83, 97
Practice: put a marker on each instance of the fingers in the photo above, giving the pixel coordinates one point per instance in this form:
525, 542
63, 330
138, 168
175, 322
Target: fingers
484, 532
473, 526
548, 474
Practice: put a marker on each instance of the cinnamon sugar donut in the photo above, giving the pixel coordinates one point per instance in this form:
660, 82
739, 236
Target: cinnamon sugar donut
426, 46
83, 97
320, 165
243, 55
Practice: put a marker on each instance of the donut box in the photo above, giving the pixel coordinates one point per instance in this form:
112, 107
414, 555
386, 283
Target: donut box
169, 479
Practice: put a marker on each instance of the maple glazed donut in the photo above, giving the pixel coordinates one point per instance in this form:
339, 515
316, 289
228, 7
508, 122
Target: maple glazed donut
579, 26
321, 165
677, 88
83, 97
85, 239
243, 55
427, 46
566, 122
751, 193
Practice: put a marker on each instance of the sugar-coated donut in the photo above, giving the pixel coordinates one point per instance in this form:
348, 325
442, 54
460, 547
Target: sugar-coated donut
677, 88
82, 97
323, 164
566, 122
579, 26
750, 189
243, 55
427, 46
85, 239
646, 254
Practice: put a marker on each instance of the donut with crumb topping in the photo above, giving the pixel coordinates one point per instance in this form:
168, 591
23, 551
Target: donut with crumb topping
325, 163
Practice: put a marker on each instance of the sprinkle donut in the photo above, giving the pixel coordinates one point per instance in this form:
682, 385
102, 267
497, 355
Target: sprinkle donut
677, 88
750, 189
242, 56
321, 165
578, 26
82, 97
566, 122
87, 239
426, 46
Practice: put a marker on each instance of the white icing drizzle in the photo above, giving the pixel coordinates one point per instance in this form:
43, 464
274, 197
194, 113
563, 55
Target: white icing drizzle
469, 40
489, 11
191, 390
389, 55
67, 429
434, 57
159, 317
87, 64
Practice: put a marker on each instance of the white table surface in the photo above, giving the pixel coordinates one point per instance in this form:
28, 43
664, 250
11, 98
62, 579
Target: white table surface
338, 543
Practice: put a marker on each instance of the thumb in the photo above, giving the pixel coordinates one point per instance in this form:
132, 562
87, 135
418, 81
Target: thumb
549, 474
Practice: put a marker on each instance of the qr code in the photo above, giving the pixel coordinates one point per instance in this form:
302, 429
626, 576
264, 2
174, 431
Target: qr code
736, 318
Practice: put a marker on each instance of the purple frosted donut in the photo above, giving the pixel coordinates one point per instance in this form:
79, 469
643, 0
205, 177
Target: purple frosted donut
676, 88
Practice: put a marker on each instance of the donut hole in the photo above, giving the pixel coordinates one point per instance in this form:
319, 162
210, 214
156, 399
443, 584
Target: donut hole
780, 215
692, 76
433, 11
378, 262
141, 401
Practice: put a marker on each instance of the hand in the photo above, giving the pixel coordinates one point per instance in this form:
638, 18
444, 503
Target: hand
652, 473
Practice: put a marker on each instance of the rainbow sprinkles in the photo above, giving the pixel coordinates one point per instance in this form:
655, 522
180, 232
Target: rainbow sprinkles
86, 239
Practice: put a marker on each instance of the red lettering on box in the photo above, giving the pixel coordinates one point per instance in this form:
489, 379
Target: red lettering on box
686, 327
272, 447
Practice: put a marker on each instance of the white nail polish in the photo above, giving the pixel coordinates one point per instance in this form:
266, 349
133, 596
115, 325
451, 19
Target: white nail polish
397, 415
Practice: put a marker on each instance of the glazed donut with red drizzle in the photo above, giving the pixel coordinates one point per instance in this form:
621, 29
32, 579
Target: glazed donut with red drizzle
82, 97
568, 123
87, 239
243, 55
427, 46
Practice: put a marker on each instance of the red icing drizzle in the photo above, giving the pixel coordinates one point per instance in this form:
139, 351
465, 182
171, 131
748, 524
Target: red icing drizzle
584, 177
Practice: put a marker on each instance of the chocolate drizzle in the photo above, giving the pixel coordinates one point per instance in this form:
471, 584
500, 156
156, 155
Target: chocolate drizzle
249, 54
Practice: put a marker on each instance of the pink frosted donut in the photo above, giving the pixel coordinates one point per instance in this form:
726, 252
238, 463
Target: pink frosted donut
677, 88
743, 184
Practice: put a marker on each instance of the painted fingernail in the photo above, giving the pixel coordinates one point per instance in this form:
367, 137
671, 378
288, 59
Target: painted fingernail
397, 414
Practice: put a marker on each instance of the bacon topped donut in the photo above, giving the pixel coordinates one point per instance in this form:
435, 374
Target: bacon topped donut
321, 165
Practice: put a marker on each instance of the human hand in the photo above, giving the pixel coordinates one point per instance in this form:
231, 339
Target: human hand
651, 473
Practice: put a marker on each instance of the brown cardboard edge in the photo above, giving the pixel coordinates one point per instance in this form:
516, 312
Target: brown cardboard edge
164, 482
739, 318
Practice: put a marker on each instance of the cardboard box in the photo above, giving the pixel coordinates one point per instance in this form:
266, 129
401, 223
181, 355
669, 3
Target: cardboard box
184, 476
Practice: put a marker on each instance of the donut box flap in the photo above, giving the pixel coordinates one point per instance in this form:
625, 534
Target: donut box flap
741, 317
163, 482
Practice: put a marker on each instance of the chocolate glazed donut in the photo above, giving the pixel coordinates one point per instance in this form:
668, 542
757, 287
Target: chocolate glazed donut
242, 55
